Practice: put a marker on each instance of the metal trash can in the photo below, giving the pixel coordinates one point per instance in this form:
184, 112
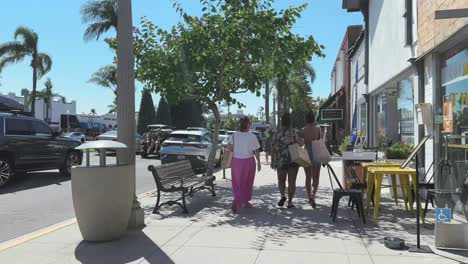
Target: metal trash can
102, 194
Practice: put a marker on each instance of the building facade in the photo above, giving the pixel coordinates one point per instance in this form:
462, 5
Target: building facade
58, 108
340, 93
358, 114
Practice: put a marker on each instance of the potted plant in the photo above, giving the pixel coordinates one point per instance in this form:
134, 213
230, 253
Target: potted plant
346, 145
398, 151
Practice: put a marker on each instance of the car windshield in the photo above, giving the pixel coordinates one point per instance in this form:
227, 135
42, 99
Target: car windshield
185, 137
226, 140
68, 134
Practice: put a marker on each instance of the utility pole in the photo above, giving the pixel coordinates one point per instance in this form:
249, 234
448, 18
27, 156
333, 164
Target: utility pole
126, 99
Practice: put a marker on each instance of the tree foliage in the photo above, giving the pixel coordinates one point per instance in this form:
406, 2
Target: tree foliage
163, 114
101, 15
106, 77
229, 49
47, 95
147, 113
187, 113
26, 44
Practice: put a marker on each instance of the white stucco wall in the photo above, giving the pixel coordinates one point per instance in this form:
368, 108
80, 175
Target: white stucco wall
388, 53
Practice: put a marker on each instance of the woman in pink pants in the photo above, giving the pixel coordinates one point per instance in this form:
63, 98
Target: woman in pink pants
244, 145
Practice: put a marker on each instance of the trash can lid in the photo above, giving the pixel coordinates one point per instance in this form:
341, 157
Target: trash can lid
102, 144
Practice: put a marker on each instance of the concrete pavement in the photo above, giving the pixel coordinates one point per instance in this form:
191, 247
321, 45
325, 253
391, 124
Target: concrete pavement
40, 199
264, 234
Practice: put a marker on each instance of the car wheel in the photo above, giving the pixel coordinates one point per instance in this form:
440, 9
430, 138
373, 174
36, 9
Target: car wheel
6, 171
72, 159
82, 140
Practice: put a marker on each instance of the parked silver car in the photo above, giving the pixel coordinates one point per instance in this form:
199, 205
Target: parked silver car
112, 135
76, 136
194, 146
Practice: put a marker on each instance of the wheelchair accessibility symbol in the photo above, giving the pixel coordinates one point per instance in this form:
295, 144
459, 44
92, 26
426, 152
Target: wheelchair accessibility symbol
443, 215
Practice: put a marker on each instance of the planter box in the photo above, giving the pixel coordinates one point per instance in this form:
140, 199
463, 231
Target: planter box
102, 198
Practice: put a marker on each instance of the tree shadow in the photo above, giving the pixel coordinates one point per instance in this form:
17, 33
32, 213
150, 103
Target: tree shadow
136, 245
32, 180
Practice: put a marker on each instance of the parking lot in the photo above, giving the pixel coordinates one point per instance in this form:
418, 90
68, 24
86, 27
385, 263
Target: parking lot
36, 200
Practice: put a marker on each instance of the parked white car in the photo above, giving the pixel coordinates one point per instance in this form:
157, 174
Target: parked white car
76, 136
194, 146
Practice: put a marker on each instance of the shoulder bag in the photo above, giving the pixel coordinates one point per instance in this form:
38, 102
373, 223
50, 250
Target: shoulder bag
299, 155
320, 153
227, 155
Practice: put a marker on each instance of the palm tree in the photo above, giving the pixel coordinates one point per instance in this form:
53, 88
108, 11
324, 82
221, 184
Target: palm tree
47, 95
113, 107
101, 16
93, 112
106, 77
26, 44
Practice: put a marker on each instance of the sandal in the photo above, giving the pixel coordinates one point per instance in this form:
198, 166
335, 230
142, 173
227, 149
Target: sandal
312, 202
281, 202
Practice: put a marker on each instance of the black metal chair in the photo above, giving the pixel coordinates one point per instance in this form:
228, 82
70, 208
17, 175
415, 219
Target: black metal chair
357, 184
354, 194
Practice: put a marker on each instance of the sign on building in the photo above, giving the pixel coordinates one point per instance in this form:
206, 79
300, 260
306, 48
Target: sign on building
331, 114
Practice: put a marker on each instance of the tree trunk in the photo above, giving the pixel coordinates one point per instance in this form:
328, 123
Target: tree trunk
33, 95
267, 102
211, 161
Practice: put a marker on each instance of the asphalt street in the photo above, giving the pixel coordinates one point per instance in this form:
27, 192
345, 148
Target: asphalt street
40, 199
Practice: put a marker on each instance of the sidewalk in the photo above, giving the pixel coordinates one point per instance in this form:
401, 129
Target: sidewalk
265, 234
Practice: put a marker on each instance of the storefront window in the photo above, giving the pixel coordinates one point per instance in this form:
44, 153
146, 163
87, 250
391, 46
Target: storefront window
405, 105
382, 135
453, 131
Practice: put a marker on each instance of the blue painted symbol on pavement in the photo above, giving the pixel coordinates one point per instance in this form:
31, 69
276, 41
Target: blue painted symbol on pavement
443, 215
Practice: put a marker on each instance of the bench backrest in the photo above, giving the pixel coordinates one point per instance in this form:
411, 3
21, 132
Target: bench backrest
169, 174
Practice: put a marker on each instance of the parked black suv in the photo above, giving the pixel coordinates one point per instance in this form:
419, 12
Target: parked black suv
28, 144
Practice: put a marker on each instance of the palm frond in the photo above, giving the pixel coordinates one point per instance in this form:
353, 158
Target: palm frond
28, 36
95, 30
9, 60
105, 77
44, 64
101, 15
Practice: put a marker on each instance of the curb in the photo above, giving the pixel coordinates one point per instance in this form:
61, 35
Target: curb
49, 229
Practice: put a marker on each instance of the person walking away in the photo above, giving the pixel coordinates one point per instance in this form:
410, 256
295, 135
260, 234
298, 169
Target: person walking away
244, 145
281, 160
311, 133
267, 141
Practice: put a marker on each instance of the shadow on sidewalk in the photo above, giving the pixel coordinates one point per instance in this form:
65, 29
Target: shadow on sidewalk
135, 246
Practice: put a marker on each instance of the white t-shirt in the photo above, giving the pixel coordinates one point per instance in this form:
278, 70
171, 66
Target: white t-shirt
245, 144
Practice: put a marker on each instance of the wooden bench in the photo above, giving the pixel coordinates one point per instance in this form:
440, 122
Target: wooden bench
179, 177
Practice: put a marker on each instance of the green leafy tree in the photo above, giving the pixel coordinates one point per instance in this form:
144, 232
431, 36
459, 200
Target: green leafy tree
187, 113
229, 49
147, 114
47, 94
93, 111
101, 15
26, 44
163, 115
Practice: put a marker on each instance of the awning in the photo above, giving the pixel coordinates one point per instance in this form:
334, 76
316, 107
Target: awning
331, 100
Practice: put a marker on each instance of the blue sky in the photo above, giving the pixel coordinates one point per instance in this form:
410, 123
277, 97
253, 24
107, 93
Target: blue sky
60, 30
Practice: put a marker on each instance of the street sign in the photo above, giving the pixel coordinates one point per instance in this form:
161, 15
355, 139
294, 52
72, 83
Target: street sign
443, 215
331, 114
